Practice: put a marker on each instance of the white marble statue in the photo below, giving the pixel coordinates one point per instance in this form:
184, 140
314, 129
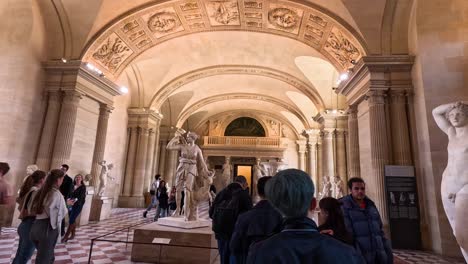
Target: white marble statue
192, 175
337, 187
452, 119
326, 187
226, 177
105, 174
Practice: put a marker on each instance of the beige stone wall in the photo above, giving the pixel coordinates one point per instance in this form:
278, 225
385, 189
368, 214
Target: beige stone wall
438, 39
22, 48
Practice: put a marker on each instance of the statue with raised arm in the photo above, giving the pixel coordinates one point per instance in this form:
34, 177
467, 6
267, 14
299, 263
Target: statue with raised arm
192, 174
105, 174
452, 119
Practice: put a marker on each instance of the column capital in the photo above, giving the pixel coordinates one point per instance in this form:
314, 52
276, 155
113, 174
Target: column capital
376, 97
352, 110
73, 97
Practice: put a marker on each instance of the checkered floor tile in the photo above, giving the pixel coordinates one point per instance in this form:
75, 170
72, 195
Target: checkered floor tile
77, 250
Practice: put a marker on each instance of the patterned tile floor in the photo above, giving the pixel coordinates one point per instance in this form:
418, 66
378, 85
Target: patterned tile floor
77, 250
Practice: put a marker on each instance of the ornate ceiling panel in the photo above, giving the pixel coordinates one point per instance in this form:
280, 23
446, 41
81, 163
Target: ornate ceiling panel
116, 46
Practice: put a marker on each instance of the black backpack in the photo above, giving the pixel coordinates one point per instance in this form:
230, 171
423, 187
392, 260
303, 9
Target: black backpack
225, 216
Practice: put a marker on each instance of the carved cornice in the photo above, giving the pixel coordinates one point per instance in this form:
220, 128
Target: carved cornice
194, 107
370, 73
167, 89
75, 76
124, 38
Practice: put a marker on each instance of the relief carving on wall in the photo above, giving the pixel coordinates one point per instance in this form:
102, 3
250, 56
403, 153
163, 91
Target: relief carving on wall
189, 6
129, 26
341, 48
284, 19
253, 4
164, 22
223, 13
318, 20
112, 52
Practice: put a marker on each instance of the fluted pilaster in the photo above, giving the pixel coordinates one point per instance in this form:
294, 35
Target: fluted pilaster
157, 150
400, 131
301, 144
162, 159
149, 160
66, 128
354, 166
379, 148
171, 163
341, 154
132, 146
100, 142
319, 160
328, 155
140, 162
49, 130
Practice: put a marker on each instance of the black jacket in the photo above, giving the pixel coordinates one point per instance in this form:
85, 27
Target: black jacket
163, 198
67, 187
79, 193
245, 202
252, 226
300, 242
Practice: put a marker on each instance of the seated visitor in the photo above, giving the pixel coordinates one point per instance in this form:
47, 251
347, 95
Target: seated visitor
362, 220
291, 192
331, 220
228, 204
254, 225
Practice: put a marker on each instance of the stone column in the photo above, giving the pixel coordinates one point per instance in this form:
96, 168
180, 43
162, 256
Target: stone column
66, 128
400, 131
157, 150
162, 159
312, 157
354, 167
341, 154
301, 151
149, 161
140, 166
127, 189
171, 163
100, 143
379, 148
49, 130
319, 152
328, 155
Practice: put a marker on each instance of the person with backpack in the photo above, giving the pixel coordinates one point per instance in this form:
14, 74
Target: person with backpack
255, 225
227, 206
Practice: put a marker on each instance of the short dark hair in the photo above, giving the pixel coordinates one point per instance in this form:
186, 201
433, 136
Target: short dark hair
157, 176
240, 179
66, 166
4, 167
261, 185
291, 192
353, 180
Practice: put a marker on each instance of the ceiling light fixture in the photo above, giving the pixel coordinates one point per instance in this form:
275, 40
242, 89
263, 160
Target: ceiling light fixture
124, 89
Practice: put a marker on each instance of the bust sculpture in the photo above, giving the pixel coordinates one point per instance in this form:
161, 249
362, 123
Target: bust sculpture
105, 174
192, 174
452, 119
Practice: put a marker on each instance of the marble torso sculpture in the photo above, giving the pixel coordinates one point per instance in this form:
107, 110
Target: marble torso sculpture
337, 187
192, 175
326, 187
226, 178
105, 174
452, 119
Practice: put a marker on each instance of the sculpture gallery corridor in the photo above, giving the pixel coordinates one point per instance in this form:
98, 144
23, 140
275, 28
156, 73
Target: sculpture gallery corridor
159, 122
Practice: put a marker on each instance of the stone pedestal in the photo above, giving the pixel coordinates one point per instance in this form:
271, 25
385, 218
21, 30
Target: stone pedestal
100, 208
181, 223
83, 218
181, 248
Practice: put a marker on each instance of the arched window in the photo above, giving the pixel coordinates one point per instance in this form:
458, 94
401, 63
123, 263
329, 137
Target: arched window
245, 127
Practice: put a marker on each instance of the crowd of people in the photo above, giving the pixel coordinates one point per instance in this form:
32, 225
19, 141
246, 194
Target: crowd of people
44, 201
280, 227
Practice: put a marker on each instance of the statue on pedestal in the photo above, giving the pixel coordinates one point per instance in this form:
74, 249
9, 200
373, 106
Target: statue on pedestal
192, 174
337, 187
226, 177
105, 173
452, 119
326, 187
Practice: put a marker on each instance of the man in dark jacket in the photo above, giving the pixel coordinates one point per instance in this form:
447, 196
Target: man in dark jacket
236, 193
362, 220
291, 192
66, 189
254, 225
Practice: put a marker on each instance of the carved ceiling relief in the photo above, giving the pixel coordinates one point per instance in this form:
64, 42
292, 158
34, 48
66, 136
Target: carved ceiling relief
122, 42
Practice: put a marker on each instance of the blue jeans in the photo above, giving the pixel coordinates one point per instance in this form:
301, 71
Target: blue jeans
160, 213
26, 246
154, 202
224, 252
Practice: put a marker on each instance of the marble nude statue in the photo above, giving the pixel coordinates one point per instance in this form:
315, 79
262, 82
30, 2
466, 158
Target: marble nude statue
326, 187
105, 174
337, 187
226, 176
192, 174
452, 119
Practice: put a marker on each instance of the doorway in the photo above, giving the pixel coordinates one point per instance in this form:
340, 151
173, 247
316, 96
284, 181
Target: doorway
246, 171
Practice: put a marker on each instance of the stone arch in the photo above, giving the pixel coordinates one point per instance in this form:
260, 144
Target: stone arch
258, 129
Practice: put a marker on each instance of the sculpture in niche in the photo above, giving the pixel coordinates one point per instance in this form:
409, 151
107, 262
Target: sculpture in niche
337, 187
326, 187
227, 169
105, 174
113, 52
245, 127
192, 174
452, 119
